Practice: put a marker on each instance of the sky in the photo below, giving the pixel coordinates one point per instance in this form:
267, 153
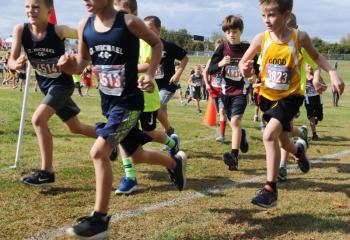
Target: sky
327, 19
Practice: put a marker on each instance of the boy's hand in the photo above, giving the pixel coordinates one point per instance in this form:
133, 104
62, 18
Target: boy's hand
224, 62
337, 83
319, 85
207, 86
247, 68
21, 62
64, 63
174, 79
145, 83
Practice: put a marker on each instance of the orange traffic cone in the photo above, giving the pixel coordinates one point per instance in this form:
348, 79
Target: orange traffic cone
210, 114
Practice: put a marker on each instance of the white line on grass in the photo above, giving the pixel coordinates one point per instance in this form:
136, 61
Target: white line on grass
189, 197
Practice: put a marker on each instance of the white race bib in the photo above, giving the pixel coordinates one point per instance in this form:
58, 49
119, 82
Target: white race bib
111, 78
277, 77
159, 74
46, 67
232, 72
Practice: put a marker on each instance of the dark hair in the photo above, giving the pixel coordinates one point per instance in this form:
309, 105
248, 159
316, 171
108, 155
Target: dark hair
232, 22
132, 4
154, 19
48, 3
283, 5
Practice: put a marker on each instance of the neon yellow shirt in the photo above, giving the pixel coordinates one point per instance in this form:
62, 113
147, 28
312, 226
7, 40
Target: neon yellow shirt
280, 68
152, 100
76, 78
306, 59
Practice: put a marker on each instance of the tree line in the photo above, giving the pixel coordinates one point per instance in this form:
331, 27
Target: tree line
185, 40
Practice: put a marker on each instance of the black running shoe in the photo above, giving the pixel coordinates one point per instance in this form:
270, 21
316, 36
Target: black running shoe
178, 174
231, 161
302, 160
114, 155
265, 198
244, 146
90, 227
39, 178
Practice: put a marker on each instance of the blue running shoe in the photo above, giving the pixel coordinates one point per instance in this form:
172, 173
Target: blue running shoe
265, 198
127, 186
173, 151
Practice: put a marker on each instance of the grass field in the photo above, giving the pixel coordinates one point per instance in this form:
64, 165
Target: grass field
214, 205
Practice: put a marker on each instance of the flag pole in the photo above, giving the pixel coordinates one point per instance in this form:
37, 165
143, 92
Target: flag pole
21, 125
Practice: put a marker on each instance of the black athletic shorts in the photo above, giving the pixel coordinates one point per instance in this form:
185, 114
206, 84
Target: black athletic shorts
59, 98
234, 105
314, 107
148, 121
284, 110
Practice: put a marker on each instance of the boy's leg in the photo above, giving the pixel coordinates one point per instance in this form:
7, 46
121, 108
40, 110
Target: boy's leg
40, 121
100, 152
75, 126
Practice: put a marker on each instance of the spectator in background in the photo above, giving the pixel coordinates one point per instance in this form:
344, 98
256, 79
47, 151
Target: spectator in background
335, 93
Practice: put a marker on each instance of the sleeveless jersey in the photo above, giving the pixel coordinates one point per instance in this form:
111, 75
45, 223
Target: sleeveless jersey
197, 80
43, 56
114, 55
280, 75
310, 89
233, 82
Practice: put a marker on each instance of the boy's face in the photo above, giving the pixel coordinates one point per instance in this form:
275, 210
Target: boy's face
94, 6
273, 19
233, 35
197, 70
308, 69
152, 27
36, 11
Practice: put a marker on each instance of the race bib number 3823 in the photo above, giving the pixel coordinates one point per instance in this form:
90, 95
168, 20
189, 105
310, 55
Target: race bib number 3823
111, 78
277, 77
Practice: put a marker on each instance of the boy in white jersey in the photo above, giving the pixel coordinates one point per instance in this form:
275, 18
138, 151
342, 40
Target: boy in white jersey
281, 59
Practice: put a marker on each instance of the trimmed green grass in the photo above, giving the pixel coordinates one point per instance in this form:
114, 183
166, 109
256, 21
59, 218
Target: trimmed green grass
312, 206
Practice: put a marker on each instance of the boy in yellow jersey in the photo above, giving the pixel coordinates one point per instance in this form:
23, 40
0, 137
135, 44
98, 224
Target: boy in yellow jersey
148, 118
281, 87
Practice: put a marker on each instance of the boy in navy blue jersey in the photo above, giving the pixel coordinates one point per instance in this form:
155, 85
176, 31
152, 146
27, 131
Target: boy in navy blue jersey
44, 45
233, 95
110, 39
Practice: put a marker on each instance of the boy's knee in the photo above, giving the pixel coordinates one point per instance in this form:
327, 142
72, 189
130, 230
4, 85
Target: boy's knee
37, 121
96, 153
268, 136
74, 129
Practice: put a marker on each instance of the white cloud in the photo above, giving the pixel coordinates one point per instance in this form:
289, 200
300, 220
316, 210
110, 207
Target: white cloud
327, 19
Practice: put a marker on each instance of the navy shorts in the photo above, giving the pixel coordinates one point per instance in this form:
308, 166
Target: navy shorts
59, 98
121, 128
284, 110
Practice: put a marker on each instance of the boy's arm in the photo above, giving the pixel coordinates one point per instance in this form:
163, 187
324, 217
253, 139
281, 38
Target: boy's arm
205, 75
64, 31
190, 80
246, 65
16, 61
215, 59
139, 29
176, 77
337, 83
75, 64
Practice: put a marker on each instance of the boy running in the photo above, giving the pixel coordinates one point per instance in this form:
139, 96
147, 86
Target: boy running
196, 82
149, 115
167, 78
110, 39
227, 57
281, 91
44, 45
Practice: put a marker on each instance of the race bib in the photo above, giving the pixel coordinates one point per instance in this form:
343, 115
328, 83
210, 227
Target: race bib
111, 78
310, 90
159, 74
232, 72
46, 67
216, 81
277, 77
